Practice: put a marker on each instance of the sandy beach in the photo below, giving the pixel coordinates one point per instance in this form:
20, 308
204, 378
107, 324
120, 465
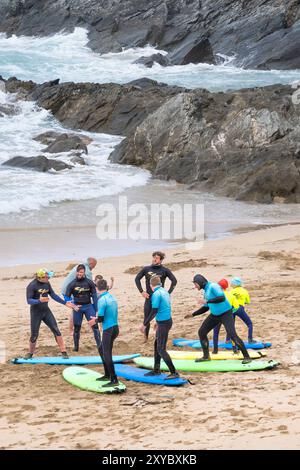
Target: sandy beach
39, 410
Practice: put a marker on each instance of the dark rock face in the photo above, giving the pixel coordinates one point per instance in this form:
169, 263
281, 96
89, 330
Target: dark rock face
111, 108
153, 59
64, 143
259, 33
39, 163
243, 144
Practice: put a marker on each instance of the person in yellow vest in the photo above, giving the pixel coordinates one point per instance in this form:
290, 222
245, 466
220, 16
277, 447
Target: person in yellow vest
243, 298
235, 306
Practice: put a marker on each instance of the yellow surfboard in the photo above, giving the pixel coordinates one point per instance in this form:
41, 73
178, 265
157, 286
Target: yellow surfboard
192, 355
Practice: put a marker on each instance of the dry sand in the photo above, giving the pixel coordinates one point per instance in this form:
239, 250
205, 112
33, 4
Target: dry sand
39, 410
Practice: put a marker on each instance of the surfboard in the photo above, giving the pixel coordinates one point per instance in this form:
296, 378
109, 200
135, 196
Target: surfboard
76, 360
209, 366
85, 379
193, 343
138, 375
222, 355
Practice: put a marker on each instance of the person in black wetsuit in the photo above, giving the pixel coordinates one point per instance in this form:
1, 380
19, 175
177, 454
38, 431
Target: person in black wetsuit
156, 268
82, 290
37, 293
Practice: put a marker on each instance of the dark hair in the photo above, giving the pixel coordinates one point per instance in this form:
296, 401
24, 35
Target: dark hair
102, 285
155, 281
98, 277
80, 267
160, 254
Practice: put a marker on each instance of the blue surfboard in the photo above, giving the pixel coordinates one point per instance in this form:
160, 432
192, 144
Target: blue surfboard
192, 343
138, 375
75, 360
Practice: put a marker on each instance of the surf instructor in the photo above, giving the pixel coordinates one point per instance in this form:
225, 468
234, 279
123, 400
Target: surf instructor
155, 269
37, 293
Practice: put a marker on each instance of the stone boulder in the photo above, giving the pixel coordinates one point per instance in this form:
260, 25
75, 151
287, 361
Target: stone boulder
40, 163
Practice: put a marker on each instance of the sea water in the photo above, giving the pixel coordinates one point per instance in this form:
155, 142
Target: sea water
70, 197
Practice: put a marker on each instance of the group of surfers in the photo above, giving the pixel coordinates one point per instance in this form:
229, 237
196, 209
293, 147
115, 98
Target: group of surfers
91, 298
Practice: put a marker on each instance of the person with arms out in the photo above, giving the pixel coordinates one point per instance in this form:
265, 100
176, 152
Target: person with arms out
161, 311
108, 316
156, 268
220, 313
83, 291
37, 293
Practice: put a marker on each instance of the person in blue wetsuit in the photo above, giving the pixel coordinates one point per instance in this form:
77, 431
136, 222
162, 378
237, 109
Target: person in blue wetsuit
156, 268
220, 313
83, 291
108, 316
161, 310
37, 293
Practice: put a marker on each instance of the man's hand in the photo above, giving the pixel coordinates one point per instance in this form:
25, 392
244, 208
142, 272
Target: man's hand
155, 326
112, 279
142, 329
145, 295
44, 299
71, 305
92, 321
202, 302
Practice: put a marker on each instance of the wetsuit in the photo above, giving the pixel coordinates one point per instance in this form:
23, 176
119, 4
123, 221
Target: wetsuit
148, 272
82, 291
108, 316
161, 310
72, 276
220, 313
40, 311
234, 305
242, 297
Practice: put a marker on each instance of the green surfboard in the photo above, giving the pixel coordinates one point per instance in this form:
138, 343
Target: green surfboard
209, 366
85, 379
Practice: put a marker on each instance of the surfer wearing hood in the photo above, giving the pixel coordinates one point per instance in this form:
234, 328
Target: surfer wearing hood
220, 313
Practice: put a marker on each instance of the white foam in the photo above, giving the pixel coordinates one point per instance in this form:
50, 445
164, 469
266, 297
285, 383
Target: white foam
30, 190
67, 56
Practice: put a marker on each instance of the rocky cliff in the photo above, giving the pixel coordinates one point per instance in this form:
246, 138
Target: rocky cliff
258, 33
243, 144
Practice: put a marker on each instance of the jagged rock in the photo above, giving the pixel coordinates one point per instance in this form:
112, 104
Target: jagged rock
112, 108
66, 143
152, 59
8, 110
258, 33
243, 144
193, 49
49, 137
40, 163
78, 160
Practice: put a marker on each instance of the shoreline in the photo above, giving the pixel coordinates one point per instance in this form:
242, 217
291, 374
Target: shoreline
38, 235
